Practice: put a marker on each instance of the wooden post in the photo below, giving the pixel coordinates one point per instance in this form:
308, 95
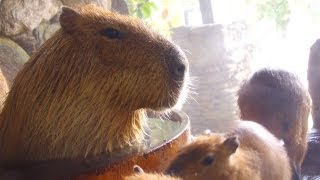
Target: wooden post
206, 11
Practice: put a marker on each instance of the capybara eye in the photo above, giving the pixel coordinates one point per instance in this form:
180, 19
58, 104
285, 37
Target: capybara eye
207, 161
111, 33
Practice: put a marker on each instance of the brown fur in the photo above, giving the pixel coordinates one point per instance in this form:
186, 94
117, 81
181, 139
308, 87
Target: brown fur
277, 100
84, 93
150, 176
249, 151
141, 175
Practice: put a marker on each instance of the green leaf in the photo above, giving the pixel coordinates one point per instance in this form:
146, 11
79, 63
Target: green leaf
275, 10
146, 10
153, 5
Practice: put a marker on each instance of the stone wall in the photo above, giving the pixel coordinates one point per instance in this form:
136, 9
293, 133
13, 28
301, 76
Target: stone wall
219, 57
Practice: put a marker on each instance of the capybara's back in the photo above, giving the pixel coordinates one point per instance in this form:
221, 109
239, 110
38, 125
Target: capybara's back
85, 91
279, 101
249, 151
254, 138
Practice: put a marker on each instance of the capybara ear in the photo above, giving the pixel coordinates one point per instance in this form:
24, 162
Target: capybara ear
68, 19
231, 144
137, 169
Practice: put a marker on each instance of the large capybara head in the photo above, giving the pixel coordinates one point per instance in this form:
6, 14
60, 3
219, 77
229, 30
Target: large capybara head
205, 158
85, 90
279, 101
141, 68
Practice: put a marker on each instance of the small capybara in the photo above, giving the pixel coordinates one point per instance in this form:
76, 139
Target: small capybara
249, 151
85, 91
278, 100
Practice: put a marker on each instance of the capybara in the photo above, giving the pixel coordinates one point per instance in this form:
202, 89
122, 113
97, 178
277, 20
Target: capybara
248, 151
278, 100
85, 91
314, 82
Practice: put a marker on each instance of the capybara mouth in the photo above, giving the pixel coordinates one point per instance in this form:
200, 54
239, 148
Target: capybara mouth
173, 96
178, 68
182, 92
177, 65
178, 78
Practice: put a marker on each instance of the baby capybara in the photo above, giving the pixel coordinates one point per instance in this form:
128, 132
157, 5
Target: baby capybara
249, 151
279, 101
86, 89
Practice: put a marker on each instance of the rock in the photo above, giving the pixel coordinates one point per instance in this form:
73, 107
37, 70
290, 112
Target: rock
20, 16
12, 58
27, 41
32, 24
102, 3
30, 41
50, 30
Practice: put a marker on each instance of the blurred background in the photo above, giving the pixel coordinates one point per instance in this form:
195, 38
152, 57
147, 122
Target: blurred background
225, 41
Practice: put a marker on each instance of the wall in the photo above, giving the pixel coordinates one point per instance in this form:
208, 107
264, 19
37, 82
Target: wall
219, 57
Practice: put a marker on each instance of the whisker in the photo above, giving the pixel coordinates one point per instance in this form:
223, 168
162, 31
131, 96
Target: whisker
192, 98
186, 51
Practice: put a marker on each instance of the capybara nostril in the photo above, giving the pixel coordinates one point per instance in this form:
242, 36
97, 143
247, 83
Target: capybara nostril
178, 71
177, 66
